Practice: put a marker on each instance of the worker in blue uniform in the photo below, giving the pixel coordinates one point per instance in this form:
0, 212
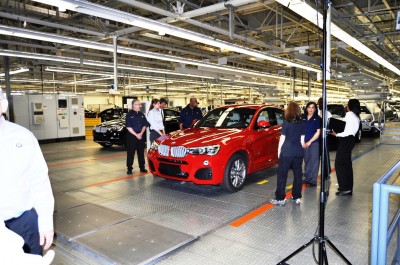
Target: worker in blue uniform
136, 124
190, 114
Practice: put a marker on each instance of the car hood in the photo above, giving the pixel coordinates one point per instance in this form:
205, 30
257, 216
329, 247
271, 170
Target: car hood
112, 123
194, 137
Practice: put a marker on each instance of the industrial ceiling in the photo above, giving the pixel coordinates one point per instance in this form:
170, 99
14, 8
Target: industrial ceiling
251, 49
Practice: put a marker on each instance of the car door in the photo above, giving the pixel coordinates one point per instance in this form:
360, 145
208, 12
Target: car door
265, 140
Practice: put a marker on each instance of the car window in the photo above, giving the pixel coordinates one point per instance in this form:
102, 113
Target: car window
276, 116
227, 118
263, 116
169, 113
365, 110
336, 109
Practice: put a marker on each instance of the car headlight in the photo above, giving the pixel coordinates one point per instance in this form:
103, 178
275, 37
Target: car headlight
204, 150
154, 146
116, 128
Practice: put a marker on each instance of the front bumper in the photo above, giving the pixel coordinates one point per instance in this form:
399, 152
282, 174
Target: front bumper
112, 137
199, 169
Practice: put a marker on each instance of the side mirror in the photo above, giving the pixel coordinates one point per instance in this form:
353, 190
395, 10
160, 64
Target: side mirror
263, 124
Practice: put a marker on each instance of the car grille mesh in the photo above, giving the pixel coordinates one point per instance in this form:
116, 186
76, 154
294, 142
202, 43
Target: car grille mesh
163, 150
176, 151
101, 129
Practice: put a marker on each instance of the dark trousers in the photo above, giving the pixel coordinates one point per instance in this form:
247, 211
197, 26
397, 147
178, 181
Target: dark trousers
134, 144
154, 135
27, 227
327, 157
343, 163
285, 163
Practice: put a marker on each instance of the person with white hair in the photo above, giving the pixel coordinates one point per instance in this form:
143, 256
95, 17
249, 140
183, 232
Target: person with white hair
26, 197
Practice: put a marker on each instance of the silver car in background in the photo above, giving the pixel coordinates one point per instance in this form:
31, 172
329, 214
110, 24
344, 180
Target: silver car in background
372, 118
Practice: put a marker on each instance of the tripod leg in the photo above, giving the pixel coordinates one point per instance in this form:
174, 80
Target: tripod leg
282, 262
324, 253
337, 251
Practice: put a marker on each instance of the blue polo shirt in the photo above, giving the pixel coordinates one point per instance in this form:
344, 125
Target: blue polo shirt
312, 125
293, 132
188, 115
136, 120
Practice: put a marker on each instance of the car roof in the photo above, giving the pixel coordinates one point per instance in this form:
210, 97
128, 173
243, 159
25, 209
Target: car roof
251, 106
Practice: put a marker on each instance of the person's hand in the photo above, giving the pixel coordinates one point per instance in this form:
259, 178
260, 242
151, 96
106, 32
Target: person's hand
139, 136
46, 239
333, 133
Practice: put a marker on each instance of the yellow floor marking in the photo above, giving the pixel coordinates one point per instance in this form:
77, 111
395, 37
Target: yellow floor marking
262, 182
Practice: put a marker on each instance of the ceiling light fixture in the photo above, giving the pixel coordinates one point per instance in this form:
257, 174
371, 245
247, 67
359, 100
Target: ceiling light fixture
92, 9
303, 9
30, 34
16, 71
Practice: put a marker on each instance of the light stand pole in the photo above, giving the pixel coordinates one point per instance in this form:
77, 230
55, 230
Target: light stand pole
321, 238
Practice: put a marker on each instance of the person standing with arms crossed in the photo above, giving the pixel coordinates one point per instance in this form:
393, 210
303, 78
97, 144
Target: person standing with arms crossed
343, 163
26, 197
190, 114
136, 124
311, 145
290, 154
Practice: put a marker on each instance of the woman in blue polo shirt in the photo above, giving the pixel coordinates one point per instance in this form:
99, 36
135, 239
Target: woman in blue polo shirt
311, 143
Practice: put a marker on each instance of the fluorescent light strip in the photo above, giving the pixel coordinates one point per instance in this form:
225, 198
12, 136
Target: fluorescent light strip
88, 8
16, 71
303, 9
24, 33
62, 59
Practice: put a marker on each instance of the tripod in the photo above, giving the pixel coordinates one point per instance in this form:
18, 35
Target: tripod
321, 238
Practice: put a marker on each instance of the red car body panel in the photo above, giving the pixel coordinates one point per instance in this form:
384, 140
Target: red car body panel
259, 146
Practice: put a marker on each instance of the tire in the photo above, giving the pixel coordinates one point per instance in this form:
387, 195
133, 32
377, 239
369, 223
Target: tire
235, 173
106, 145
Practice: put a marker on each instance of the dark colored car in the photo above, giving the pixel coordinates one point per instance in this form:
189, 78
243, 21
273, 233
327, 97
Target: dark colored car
90, 114
110, 114
113, 132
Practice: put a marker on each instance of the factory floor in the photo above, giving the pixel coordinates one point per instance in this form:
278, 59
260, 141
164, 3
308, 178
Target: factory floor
104, 216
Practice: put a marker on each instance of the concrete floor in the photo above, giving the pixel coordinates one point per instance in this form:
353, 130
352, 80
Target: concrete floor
104, 216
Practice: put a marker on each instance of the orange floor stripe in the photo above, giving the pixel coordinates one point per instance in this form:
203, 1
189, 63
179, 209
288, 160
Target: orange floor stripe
260, 210
83, 161
117, 179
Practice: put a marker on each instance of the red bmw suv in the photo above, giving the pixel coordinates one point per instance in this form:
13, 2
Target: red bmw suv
221, 148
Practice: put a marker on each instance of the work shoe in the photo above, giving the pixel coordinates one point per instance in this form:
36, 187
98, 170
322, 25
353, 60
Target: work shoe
143, 170
296, 201
129, 172
278, 202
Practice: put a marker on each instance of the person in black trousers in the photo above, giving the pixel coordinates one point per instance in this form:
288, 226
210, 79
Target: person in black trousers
346, 139
290, 154
136, 124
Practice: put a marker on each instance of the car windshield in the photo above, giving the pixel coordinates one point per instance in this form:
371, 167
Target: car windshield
336, 110
227, 118
364, 110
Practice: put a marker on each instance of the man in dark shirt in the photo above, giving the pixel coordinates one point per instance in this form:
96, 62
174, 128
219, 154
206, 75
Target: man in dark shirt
136, 124
190, 114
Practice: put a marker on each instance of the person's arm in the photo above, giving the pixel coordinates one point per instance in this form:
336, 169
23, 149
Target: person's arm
151, 118
352, 124
43, 195
281, 141
315, 137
